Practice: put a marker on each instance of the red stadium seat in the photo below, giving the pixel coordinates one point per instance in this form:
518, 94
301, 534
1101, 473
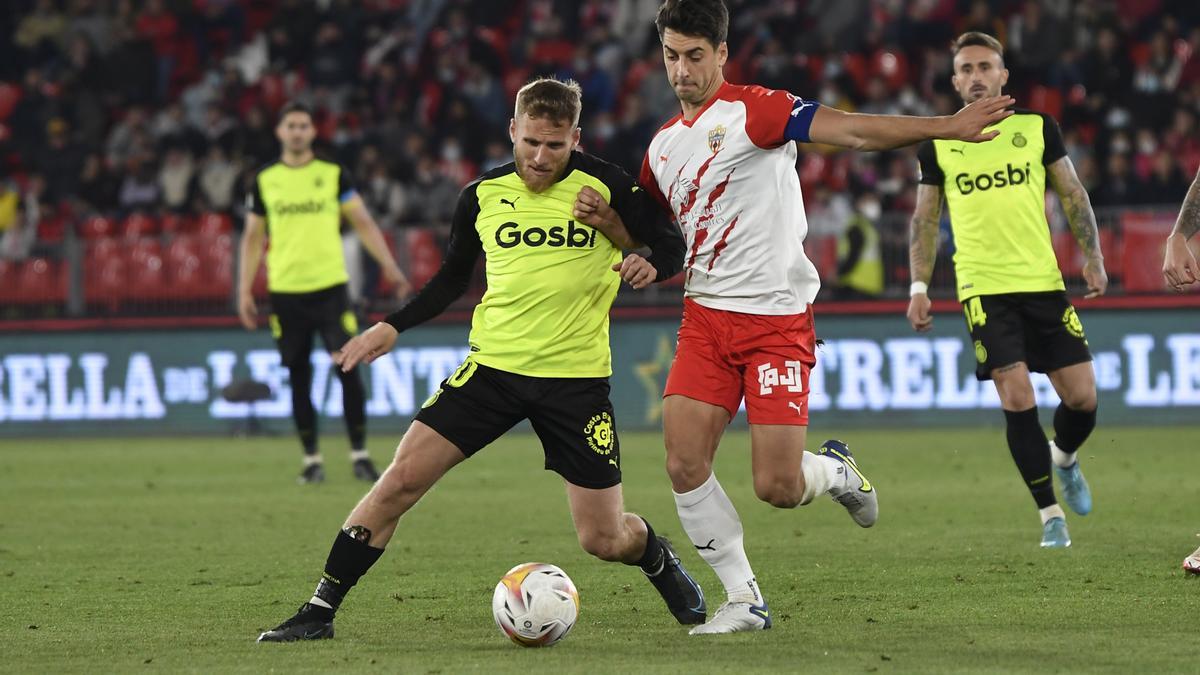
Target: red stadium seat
9, 292
52, 230
147, 276
10, 94
214, 223
95, 227
1047, 100
173, 223
424, 256
42, 281
139, 225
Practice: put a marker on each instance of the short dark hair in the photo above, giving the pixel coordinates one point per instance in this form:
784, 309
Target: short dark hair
294, 107
708, 19
552, 99
977, 39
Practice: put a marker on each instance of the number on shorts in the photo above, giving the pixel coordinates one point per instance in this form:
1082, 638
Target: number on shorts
973, 309
464, 373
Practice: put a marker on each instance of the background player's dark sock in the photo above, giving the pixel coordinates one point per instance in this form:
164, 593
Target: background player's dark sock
349, 559
354, 407
651, 561
1031, 451
303, 413
1072, 427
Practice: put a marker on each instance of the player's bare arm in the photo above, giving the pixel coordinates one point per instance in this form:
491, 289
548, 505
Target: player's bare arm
864, 132
1082, 220
251, 249
1179, 264
591, 209
365, 348
922, 253
372, 238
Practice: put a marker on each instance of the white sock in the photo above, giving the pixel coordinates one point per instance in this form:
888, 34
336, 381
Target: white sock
1052, 511
309, 460
821, 474
713, 525
1061, 459
356, 455
319, 602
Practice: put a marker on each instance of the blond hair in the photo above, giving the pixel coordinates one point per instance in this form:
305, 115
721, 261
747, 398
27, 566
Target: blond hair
549, 98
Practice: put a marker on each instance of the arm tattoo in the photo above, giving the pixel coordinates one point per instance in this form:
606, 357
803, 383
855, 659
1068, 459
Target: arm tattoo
1077, 206
923, 233
1011, 366
1188, 223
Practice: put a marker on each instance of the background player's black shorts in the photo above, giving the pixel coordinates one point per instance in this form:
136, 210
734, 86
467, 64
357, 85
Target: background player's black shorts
1041, 329
296, 316
572, 416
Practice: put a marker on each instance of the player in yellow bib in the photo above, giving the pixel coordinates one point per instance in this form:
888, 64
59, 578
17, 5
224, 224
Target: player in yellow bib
299, 202
1008, 279
539, 351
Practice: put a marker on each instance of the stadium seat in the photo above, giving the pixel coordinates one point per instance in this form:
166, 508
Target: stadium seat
139, 225
10, 94
9, 293
52, 230
214, 223
147, 275
174, 223
1070, 258
1144, 237
1047, 100
95, 227
42, 281
424, 255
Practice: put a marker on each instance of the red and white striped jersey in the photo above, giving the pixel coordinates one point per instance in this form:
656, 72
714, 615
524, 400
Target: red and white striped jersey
729, 177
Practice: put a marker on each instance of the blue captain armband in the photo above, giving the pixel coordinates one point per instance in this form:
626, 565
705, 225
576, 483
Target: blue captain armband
800, 119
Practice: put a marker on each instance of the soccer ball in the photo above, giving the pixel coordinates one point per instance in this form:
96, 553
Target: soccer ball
535, 604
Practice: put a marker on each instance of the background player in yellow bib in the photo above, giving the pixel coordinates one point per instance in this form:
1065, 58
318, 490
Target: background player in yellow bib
1008, 279
539, 351
299, 202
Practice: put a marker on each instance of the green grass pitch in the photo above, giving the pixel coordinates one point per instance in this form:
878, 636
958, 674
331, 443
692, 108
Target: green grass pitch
168, 555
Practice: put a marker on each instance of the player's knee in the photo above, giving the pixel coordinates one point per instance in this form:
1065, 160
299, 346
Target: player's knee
1083, 400
603, 545
778, 493
687, 473
399, 483
1017, 397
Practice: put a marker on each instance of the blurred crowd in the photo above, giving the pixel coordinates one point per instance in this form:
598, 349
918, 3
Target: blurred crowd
168, 106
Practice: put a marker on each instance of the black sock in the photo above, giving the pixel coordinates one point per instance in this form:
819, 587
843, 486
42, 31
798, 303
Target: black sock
303, 413
349, 559
1072, 427
354, 408
1031, 451
651, 561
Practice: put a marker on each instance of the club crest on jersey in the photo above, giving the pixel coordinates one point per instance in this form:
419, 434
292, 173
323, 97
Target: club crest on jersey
716, 137
1018, 140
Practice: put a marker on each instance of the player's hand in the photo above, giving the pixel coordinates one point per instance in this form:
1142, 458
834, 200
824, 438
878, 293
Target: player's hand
365, 348
918, 313
591, 210
399, 283
247, 311
636, 271
1179, 266
1096, 277
968, 124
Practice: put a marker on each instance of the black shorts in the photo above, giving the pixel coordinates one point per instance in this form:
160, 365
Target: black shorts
572, 416
296, 316
1040, 329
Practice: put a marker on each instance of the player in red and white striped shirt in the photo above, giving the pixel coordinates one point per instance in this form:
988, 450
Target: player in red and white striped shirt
725, 167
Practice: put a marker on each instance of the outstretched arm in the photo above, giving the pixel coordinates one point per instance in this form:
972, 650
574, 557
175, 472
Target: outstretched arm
922, 253
1082, 220
372, 238
859, 131
1179, 265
